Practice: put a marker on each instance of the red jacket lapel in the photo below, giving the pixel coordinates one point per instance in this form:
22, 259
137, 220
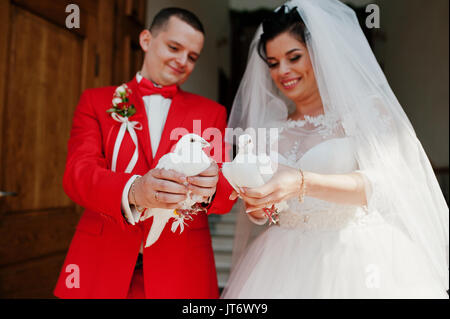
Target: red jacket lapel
141, 116
175, 118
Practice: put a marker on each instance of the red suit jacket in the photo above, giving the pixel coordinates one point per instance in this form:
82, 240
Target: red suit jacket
105, 247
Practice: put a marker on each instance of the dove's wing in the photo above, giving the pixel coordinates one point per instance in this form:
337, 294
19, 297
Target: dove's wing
160, 218
227, 171
190, 162
246, 172
242, 172
185, 164
194, 165
249, 170
169, 161
265, 167
192, 169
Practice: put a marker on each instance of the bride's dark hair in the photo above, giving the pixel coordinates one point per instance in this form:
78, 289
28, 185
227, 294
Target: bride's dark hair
283, 20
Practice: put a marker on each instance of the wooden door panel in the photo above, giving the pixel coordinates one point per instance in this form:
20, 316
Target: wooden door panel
136, 10
128, 56
136, 58
35, 234
52, 10
33, 279
4, 53
44, 67
43, 89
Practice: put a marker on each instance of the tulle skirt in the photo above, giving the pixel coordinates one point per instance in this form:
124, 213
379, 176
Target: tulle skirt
370, 261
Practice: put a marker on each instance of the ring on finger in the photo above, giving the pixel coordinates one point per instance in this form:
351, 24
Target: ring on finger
156, 196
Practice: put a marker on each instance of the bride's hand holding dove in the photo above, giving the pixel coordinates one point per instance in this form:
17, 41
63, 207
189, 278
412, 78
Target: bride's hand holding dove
284, 184
251, 170
259, 214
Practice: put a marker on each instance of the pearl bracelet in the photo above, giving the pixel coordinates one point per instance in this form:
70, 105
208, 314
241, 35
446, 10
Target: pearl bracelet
301, 197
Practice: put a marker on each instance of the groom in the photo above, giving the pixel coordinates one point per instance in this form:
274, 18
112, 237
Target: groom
111, 173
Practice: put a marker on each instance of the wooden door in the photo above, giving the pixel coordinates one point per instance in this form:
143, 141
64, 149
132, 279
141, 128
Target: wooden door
44, 66
129, 22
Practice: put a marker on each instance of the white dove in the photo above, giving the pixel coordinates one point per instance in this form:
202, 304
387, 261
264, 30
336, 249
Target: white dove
189, 159
248, 169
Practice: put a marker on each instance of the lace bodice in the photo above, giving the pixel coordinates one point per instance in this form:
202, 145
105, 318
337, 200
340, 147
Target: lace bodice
318, 145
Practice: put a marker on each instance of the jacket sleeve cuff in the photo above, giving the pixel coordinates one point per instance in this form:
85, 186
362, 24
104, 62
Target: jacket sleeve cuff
221, 204
130, 213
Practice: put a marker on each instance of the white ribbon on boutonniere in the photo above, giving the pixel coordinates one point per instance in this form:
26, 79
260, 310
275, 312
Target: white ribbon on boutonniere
120, 111
129, 126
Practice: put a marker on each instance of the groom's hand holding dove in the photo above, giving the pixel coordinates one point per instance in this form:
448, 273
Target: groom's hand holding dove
204, 184
159, 188
187, 172
167, 188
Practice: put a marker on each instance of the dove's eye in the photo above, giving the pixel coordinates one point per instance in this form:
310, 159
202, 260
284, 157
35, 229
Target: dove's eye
192, 140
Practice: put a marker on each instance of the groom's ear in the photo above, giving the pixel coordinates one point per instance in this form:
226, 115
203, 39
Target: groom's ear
144, 39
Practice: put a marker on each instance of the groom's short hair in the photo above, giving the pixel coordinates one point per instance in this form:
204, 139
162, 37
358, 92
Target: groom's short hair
162, 18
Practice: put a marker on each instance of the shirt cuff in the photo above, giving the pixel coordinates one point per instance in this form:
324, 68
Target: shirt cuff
130, 213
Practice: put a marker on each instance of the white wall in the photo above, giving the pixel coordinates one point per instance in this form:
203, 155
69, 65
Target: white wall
214, 16
415, 55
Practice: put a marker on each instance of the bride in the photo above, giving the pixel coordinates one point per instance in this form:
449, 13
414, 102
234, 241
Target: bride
366, 216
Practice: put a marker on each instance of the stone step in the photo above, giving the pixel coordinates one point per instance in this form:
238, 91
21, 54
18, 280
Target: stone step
229, 218
222, 232
223, 229
222, 278
222, 244
223, 255
223, 260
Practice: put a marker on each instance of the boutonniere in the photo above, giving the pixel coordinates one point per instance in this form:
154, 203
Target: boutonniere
121, 103
120, 111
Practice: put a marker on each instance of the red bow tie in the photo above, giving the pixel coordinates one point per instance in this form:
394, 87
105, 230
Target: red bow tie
146, 87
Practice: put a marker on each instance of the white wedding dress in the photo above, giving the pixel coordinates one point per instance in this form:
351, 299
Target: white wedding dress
326, 250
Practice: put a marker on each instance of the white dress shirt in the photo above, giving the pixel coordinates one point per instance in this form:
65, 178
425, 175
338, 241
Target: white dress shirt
157, 107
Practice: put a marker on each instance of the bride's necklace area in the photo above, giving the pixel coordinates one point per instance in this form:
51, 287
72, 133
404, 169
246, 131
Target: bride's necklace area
316, 120
322, 122
312, 129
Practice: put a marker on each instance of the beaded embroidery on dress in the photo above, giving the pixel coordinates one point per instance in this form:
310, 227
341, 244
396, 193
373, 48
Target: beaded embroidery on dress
298, 143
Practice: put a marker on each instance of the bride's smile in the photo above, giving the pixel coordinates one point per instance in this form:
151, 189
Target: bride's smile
290, 83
